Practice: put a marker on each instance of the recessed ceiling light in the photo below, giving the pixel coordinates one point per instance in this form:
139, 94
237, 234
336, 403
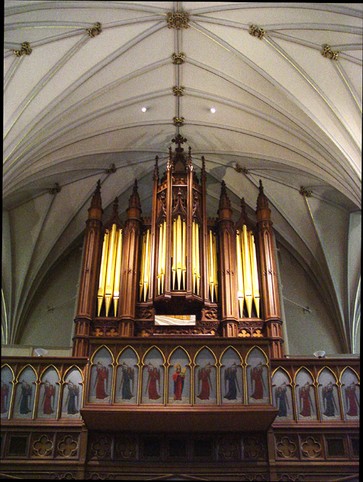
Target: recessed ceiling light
213, 110
144, 109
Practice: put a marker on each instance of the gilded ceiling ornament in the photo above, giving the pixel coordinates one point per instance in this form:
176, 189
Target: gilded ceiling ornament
25, 50
179, 139
55, 189
178, 91
329, 53
256, 31
96, 29
178, 58
177, 20
178, 121
238, 168
305, 192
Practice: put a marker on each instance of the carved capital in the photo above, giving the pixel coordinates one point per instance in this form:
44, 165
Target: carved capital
305, 192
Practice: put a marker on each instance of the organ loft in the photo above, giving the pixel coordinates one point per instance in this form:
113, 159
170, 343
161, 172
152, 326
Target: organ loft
178, 370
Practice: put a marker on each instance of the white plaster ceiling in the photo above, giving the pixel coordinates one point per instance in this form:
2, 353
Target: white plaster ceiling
285, 113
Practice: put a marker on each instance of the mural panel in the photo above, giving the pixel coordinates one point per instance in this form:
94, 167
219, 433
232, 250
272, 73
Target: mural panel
101, 377
350, 394
257, 377
305, 396
231, 377
205, 379
282, 395
179, 378
49, 394
72, 394
127, 378
328, 396
6, 390
25, 394
153, 378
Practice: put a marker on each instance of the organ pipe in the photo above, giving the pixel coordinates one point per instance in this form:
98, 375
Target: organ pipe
110, 270
117, 275
255, 283
240, 288
103, 270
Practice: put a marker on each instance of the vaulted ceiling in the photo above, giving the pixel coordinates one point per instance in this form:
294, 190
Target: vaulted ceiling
285, 80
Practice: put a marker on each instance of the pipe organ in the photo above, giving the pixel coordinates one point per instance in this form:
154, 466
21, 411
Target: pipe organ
180, 261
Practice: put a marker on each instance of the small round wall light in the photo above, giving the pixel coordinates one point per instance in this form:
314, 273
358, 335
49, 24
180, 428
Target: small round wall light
143, 109
213, 110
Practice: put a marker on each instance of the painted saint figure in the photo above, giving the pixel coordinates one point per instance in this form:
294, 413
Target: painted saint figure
328, 400
26, 393
71, 402
127, 381
4, 396
101, 381
282, 400
351, 400
153, 381
230, 380
205, 384
48, 398
257, 382
305, 400
178, 378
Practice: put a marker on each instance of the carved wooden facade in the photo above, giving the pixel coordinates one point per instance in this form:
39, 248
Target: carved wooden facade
178, 369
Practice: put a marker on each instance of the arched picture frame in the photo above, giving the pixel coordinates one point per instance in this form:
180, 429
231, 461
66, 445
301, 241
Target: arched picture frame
205, 379
350, 394
153, 377
231, 377
305, 396
257, 377
48, 394
72, 394
6, 390
328, 396
25, 394
179, 378
127, 377
101, 377
282, 395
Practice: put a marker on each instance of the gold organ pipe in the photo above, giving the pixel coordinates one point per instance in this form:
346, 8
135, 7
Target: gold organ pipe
102, 280
117, 279
197, 257
179, 237
143, 254
110, 269
247, 280
147, 264
163, 260
240, 290
160, 257
184, 265
255, 283
211, 267
215, 266
193, 256
174, 254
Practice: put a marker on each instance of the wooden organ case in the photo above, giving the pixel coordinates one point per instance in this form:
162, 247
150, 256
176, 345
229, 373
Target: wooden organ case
179, 264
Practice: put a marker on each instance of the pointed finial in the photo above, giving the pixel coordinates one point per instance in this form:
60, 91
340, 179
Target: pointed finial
262, 201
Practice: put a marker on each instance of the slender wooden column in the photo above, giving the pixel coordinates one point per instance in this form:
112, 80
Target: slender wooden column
227, 252
130, 263
89, 275
269, 280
